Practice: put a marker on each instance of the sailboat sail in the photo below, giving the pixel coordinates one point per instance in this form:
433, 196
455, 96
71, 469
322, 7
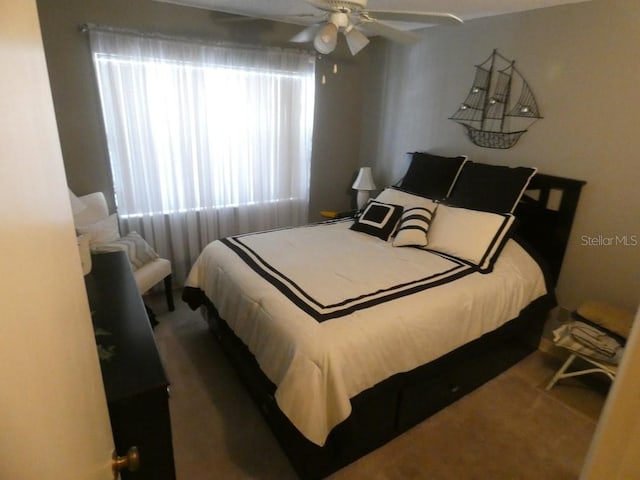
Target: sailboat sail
473, 106
497, 102
526, 105
487, 112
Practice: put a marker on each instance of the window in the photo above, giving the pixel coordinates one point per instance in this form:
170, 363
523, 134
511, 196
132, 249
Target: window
205, 141
192, 126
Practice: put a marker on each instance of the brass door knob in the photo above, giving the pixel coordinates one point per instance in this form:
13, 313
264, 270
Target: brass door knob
130, 462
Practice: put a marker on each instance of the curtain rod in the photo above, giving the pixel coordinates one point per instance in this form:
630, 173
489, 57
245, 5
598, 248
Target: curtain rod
87, 27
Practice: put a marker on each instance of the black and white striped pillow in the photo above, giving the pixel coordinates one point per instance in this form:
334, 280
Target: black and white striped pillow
413, 227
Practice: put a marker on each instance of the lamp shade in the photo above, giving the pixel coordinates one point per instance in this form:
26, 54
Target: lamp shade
363, 183
356, 40
326, 39
364, 180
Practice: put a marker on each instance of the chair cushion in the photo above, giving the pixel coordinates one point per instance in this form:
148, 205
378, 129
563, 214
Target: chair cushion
152, 273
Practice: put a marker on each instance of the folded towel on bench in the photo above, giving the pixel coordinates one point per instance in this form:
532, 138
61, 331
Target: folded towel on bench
590, 341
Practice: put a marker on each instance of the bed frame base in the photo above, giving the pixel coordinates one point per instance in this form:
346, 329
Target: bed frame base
388, 409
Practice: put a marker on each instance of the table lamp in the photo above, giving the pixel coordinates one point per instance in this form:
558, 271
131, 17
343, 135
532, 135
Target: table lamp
363, 184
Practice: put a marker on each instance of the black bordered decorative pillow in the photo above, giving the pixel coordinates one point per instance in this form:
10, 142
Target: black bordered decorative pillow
413, 227
471, 235
432, 176
378, 219
491, 188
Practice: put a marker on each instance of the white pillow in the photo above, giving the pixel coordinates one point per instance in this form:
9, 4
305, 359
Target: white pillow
77, 205
405, 199
413, 227
103, 231
96, 209
471, 235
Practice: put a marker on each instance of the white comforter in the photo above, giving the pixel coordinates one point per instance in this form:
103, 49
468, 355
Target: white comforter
355, 310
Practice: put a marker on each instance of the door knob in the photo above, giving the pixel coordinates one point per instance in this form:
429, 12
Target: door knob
130, 462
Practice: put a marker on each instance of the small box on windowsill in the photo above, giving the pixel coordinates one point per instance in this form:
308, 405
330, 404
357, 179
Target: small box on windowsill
334, 214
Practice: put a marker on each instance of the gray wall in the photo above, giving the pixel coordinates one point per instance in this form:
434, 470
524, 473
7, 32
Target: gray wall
581, 62
579, 59
337, 122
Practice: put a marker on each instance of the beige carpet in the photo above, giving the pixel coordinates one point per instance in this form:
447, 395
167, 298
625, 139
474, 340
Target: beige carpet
510, 428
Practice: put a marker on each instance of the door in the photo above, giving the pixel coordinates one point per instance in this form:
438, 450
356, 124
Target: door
53, 414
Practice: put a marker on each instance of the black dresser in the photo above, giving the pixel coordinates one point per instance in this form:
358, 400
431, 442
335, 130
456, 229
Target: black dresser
134, 379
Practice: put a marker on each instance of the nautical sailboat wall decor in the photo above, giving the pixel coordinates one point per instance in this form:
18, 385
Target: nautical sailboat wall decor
490, 114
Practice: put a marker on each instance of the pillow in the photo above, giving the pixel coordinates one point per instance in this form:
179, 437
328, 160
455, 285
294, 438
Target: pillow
470, 235
77, 205
96, 209
413, 227
432, 175
405, 199
102, 231
491, 188
138, 250
378, 219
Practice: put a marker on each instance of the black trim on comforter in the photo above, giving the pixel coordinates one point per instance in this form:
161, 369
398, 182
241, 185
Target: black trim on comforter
350, 305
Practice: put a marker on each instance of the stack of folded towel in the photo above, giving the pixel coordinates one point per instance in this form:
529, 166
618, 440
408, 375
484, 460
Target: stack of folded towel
597, 331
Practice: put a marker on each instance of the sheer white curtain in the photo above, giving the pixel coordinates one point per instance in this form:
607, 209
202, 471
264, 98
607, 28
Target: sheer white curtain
205, 141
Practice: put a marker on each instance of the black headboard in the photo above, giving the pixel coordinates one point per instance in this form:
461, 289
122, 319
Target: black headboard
545, 215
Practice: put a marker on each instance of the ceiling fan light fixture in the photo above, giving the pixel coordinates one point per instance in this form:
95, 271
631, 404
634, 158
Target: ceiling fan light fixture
339, 19
306, 35
356, 40
326, 39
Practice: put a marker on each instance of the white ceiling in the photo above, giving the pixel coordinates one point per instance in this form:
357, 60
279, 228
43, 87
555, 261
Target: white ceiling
285, 10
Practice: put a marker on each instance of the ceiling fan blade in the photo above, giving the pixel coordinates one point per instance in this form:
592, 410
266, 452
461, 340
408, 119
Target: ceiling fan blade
416, 17
378, 28
226, 18
306, 35
320, 4
356, 40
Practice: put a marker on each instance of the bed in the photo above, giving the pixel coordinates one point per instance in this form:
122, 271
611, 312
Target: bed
369, 325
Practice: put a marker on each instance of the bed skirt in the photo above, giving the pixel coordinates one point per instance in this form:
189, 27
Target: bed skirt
396, 404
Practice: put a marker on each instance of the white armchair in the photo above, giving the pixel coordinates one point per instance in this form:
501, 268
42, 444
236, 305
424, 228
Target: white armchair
91, 214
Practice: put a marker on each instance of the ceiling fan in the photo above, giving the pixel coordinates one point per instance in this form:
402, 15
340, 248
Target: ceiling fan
352, 18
